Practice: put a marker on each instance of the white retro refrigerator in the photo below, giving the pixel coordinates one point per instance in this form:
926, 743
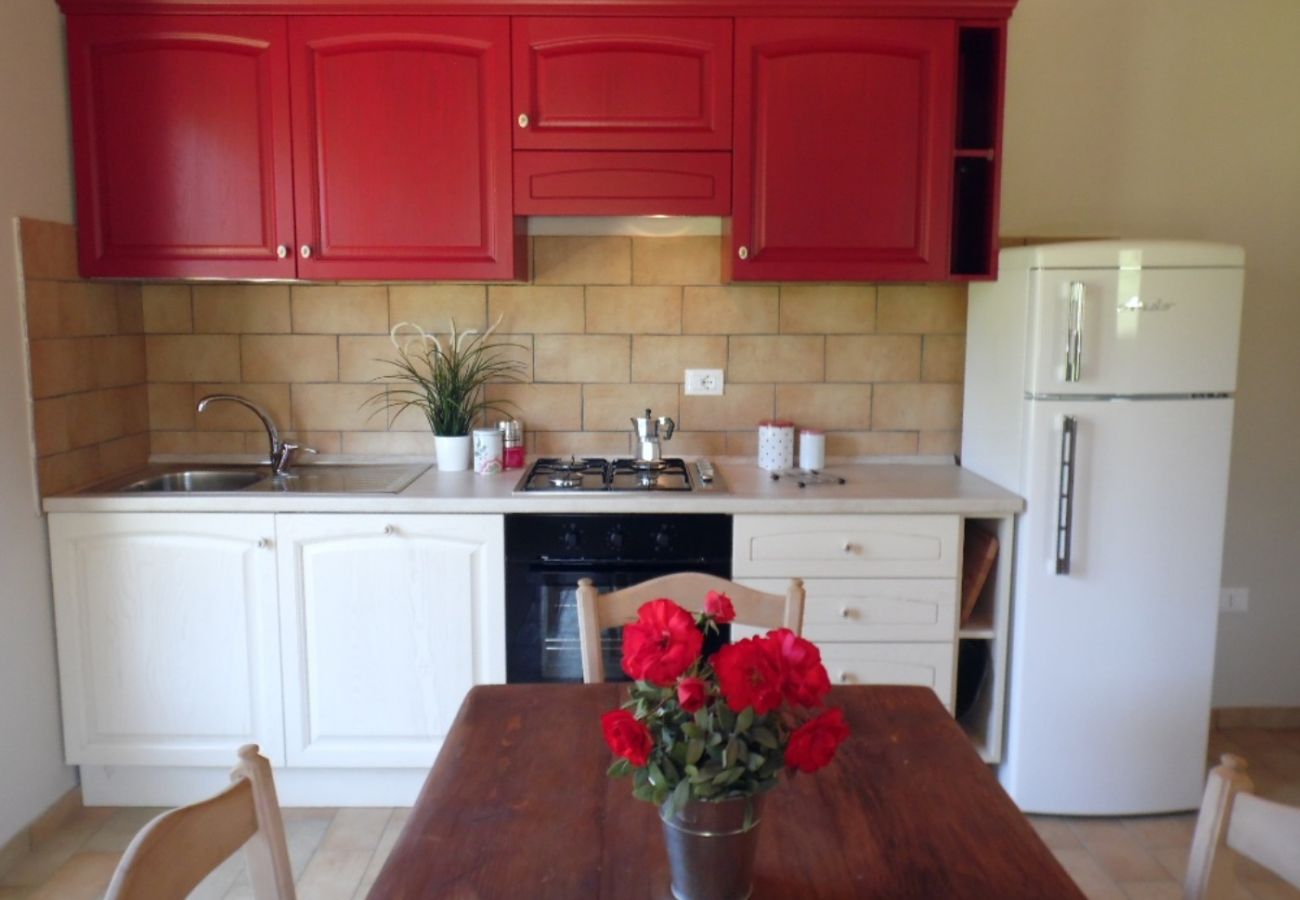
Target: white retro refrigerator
1099, 385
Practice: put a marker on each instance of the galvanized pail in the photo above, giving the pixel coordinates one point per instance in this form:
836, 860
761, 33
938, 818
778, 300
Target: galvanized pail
711, 846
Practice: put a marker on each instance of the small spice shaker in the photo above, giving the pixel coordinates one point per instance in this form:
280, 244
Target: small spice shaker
775, 444
512, 438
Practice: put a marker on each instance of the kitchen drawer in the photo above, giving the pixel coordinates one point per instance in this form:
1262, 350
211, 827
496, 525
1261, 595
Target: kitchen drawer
880, 609
929, 665
621, 183
846, 546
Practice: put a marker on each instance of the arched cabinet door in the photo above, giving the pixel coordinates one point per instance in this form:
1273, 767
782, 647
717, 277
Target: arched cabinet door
181, 135
843, 149
402, 148
387, 623
168, 637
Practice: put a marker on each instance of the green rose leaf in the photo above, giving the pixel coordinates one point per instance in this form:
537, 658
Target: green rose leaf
694, 750
764, 736
744, 720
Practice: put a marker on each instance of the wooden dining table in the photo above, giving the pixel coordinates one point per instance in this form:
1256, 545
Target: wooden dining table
518, 806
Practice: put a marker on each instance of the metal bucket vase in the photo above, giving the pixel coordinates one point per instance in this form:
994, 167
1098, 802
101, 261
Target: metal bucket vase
711, 847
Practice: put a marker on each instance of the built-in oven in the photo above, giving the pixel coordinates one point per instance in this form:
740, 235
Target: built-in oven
546, 554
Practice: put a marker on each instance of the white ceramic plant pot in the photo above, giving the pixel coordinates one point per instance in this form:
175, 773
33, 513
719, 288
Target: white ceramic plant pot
452, 451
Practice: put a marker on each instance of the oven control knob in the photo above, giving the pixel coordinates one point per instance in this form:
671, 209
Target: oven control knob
663, 540
615, 539
570, 539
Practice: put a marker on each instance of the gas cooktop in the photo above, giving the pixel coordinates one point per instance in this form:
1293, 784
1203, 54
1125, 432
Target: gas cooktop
591, 474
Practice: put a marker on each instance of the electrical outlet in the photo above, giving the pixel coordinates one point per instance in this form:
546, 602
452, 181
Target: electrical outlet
705, 382
1234, 600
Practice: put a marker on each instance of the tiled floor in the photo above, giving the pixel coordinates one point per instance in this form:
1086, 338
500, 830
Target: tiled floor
337, 853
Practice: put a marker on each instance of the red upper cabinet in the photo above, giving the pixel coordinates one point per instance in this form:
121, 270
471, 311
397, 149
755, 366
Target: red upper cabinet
843, 154
622, 83
402, 148
181, 135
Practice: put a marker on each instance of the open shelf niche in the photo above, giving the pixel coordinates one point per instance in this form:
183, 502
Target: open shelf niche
982, 645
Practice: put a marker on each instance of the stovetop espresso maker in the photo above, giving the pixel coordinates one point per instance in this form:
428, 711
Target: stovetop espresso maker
649, 433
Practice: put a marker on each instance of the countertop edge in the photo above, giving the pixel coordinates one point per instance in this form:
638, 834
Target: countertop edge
871, 488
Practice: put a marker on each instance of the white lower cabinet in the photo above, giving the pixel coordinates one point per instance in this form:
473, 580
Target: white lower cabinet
386, 623
168, 637
334, 641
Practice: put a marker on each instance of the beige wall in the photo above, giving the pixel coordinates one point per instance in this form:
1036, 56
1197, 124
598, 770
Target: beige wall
1181, 118
34, 180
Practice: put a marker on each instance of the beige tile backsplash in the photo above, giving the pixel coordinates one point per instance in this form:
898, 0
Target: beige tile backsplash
88, 371
604, 329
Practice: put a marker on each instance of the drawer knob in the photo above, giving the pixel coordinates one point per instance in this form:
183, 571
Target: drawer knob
845, 677
263, 543
390, 530
846, 613
850, 547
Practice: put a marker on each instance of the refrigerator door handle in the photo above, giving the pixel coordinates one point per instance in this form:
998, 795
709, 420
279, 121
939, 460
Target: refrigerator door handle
1074, 334
1065, 494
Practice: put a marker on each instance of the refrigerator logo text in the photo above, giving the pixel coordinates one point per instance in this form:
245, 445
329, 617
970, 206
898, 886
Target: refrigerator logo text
1137, 304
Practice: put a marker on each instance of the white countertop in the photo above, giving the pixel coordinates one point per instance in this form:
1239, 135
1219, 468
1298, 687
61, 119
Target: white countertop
871, 487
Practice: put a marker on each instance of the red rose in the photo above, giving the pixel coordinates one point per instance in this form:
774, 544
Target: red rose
748, 675
661, 644
627, 736
692, 694
814, 742
719, 606
804, 681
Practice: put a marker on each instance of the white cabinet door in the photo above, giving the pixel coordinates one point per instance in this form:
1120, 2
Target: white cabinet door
388, 622
167, 637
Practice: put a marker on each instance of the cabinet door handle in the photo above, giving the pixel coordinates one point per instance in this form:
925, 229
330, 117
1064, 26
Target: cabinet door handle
305, 251
263, 543
1074, 334
282, 251
523, 120
1065, 494
743, 252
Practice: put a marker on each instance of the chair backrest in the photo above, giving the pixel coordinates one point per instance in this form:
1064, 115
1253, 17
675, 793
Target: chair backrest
177, 850
1234, 820
597, 612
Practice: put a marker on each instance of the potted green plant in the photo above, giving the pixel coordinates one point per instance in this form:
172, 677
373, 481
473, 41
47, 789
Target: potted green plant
444, 378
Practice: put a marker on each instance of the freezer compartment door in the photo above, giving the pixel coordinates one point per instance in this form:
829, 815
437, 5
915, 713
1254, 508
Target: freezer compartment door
1134, 331
1112, 662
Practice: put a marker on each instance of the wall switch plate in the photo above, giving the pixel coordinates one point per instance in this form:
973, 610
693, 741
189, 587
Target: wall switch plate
1234, 600
704, 382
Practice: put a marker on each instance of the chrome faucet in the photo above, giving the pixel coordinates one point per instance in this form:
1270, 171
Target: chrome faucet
281, 451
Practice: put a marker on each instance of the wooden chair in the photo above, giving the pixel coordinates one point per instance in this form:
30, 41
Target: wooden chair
178, 849
597, 612
1233, 820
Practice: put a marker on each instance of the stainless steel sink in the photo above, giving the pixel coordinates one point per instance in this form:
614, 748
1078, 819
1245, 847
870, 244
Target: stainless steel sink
192, 481
318, 478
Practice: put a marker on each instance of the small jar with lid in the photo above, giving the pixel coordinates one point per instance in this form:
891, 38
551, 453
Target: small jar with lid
775, 444
512, 439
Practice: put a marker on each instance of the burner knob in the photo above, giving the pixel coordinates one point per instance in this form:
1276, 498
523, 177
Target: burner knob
615, 539
570, 539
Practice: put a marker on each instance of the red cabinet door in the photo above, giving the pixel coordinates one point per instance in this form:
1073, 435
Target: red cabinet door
843, 149
402, 148
181, 137
622, 83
